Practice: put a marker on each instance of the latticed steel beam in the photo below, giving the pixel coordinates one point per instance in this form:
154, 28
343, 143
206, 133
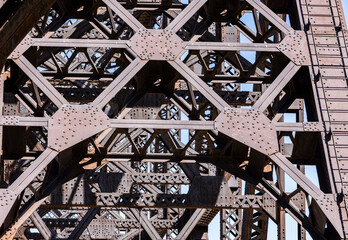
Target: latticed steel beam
143, 120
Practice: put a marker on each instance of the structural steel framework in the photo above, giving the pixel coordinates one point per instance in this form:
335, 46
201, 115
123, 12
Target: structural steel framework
147, 119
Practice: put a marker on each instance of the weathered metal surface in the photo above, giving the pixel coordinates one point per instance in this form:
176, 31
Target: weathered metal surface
145, 119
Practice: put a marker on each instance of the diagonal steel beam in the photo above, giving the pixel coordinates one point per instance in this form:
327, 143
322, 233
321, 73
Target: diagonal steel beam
85, 221
275, 193
185, 15
119, 82
270, 15
40, 81
307, 186
32, 171
2, 3
146, 224
130, 235
296, 174
276, 87
199, 84
131, 21
20, 23
191, 224
41, 226
10, 233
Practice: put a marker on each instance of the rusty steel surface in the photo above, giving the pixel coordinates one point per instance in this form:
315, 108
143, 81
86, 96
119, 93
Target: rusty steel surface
146, 119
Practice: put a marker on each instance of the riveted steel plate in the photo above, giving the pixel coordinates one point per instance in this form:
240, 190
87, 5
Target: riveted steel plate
7, 199
319, 10
100, 229
74, 123
154, 44
332, 83
339, 116
321, 20
339, 127
323, 30
313, 126
337, 105
340, 139
10, 120
146, 156
332, 72
336, 94
326, 40
22, 47
328, 51
316, 2
324, 61
295, 47
250, 127
329, 206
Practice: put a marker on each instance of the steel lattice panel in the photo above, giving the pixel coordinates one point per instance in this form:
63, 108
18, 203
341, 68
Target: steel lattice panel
148, 119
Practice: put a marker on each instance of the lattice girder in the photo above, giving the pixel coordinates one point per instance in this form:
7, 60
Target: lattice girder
90, 90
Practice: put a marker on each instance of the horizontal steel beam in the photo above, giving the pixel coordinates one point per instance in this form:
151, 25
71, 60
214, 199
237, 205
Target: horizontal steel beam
24, 121
117, 200
92, 43
300, 127
160, 124
79, 43
230, 46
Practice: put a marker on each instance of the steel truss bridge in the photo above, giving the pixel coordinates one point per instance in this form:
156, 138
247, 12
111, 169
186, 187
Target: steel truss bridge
147, 119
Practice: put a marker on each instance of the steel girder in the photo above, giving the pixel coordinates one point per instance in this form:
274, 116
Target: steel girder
137, 119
